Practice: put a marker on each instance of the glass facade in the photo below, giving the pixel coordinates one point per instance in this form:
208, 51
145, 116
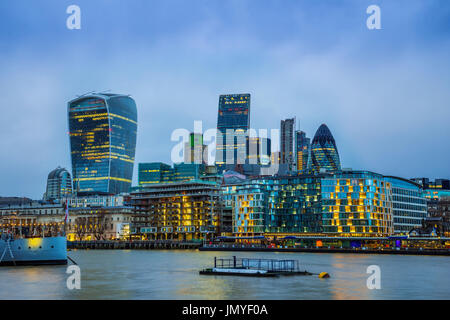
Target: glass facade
358, 204
194, 150
324, 153
187, 171
287, 143
342, 204
275, 205
294, 205
154, 173
302, 149
258, 151
409, 205
158, 172
59, 184
249, 210
102, 129
233, 122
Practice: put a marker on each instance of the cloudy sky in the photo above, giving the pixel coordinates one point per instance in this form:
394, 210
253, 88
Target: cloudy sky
384, 94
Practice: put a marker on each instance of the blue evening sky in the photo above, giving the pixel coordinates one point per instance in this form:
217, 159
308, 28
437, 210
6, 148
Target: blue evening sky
384, 94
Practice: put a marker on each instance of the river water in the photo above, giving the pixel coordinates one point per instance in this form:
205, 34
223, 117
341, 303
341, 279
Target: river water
173, 274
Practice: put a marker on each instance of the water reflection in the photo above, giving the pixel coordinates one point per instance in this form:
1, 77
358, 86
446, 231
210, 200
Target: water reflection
171, 274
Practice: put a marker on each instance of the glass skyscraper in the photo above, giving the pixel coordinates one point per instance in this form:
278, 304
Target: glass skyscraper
102, 130
233, 121
324, 153
302, 150
59, 184
194, 150
154, 173
287, 143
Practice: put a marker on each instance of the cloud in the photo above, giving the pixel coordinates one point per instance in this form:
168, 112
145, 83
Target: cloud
384, 94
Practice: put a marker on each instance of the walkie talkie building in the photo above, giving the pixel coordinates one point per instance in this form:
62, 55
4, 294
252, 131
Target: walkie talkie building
102, 130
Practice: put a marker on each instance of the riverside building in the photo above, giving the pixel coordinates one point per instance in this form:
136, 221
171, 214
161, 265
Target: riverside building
357, 204
275, 206
409, 204
341, 204
182, 211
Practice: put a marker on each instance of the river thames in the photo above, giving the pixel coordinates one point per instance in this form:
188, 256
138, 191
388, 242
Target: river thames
173, 274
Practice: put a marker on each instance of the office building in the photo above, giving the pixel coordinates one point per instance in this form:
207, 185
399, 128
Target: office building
233, 122
324, 153
302, 150
409, 204
187, 171
258, 151
357, 204
102, 130
195, 151
59, 184
434, 190
154, 173
287, 143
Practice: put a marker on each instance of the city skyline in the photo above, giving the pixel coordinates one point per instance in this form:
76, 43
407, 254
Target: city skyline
384, 96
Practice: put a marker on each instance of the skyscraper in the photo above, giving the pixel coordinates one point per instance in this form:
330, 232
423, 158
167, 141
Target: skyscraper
154, 173
287, 143
258, 150
194, 150
324, 153
59, 184
233, 122
302, 150
102, 129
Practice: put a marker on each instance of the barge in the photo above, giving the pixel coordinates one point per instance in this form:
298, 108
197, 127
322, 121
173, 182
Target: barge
254, 267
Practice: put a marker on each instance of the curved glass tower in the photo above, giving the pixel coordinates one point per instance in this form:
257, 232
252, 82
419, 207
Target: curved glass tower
59, 184
102, 129
324, 153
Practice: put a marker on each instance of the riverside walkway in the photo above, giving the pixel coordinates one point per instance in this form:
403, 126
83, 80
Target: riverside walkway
135, 244
258, 248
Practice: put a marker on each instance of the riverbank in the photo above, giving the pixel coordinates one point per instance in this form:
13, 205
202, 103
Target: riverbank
158, 244
168, 244
409, 251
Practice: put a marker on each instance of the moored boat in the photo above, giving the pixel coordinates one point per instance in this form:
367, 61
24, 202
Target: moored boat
33, 251
254, 267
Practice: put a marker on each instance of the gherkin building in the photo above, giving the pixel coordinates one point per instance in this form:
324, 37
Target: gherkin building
324, 153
